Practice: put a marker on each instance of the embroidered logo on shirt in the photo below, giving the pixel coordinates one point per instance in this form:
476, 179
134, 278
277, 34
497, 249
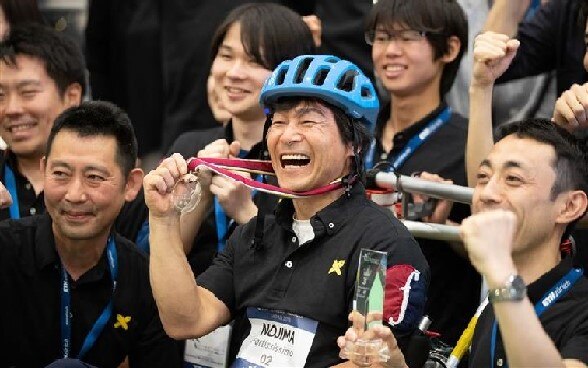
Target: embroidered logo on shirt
122, 322
336, 267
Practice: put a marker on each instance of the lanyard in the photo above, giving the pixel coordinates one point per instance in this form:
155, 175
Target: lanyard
11, 187
66, 303
546, 301
413, 144
222, 220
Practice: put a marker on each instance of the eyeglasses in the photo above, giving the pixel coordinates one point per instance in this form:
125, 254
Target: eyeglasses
381, 37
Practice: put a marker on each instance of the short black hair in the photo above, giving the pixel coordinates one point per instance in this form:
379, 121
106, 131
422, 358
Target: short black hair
352, 131
100, 118
440, 19
270, 33
61, 56
21, 11
571, 158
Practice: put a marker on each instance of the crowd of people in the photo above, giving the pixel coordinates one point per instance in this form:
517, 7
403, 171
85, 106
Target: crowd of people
102, 266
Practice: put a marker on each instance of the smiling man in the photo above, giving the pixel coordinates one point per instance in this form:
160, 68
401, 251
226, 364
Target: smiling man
41, 74
74, 287
294, 271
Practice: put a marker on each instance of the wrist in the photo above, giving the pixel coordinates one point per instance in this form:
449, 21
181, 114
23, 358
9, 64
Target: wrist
513, 290
500, 275
481, 87
247, 214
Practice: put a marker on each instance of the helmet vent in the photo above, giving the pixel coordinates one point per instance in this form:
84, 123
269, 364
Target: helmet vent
365, 92
320, 77
302, 67
281, 76
346, 81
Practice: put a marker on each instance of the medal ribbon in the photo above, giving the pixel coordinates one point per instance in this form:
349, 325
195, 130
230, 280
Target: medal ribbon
223, 166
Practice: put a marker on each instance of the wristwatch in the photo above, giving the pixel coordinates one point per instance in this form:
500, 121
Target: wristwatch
514, 290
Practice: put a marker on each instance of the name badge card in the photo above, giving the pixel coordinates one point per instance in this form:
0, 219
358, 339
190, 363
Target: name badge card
209, 351
276, 339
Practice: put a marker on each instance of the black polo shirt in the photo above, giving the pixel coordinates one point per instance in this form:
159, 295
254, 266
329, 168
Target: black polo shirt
128, 223
565, 322
28, 201
205, 243
30, 279
282, 275
454, 292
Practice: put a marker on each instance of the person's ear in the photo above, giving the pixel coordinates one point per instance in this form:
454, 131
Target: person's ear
573, 206
349, 151
133, 184
73, 95
453, 49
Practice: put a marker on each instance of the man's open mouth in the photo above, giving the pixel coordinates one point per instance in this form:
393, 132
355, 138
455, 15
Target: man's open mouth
294, 160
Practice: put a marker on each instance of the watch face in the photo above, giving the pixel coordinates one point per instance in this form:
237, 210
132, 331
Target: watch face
517, 283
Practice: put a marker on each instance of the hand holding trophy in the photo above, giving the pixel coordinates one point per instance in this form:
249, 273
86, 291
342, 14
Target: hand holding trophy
364, 346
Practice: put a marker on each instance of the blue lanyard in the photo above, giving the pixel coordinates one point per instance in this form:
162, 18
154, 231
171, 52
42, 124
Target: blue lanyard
223, 222
11, 187
532, 9
66, 304
413, 144
546, 301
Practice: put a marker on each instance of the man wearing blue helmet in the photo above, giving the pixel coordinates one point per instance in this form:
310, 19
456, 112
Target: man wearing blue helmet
287, 281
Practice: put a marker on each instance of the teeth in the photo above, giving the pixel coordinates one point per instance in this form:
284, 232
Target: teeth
295, 157
394, 68
235, 90
18, 128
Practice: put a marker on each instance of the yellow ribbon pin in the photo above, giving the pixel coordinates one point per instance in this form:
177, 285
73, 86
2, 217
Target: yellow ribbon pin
336, 267
122, 322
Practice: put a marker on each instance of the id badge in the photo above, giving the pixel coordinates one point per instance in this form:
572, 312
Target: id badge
209, 351
276, 339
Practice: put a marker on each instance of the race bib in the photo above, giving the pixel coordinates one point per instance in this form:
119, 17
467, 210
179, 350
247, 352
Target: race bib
209, 351
277, 339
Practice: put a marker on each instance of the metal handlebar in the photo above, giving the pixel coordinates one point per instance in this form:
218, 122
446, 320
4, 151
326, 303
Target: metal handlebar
432, 231
410, 184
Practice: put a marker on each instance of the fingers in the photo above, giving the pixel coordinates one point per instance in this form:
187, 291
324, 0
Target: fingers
490, 46
5, 198
165, 176
217, 149
493, 53
571, 107
314, 24
488, 237
234, 149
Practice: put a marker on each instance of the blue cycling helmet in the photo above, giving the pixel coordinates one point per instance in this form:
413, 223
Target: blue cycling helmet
338, 82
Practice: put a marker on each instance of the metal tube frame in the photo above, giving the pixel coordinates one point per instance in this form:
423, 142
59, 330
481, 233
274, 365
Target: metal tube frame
416, 185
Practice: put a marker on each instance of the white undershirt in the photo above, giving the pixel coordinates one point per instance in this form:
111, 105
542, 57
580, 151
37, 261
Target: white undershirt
303, 230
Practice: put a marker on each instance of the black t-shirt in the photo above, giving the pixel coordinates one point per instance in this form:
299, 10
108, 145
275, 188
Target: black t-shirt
29, 202
30, 282
316, 280
205, 243
565, 322
552, 40
454, 292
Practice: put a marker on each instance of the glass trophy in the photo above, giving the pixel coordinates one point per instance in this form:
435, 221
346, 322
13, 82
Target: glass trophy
368, 310
186, 193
